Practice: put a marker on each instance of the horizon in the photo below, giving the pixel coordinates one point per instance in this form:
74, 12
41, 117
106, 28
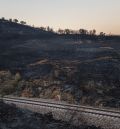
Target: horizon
73, 14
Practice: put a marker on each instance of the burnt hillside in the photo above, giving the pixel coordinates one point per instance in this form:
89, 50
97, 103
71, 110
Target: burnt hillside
81, 71
9, 30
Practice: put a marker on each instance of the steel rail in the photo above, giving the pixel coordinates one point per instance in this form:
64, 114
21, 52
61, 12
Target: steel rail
63, 104
64, 107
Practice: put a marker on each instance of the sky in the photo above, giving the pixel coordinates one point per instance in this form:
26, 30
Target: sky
102, 15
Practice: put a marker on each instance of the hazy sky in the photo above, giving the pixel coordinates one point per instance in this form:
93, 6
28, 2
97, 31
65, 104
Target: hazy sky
102, 15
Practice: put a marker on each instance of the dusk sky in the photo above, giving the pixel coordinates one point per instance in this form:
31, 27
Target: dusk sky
102, 15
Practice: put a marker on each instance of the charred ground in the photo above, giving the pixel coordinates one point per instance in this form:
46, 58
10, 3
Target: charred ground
38, 63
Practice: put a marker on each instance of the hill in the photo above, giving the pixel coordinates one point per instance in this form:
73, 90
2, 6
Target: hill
11, 29
38, 63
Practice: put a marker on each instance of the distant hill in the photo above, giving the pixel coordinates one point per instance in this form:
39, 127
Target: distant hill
10, 29
16, 30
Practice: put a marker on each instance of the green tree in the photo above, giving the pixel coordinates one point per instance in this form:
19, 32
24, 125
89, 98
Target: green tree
23, 22
42, 28
83, 31
2, 18
60, 31
102, 34
10, 20
67, 31
50, 29
94, 32
15, 20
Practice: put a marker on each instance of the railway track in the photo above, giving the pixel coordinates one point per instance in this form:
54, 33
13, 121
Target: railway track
63, 106
105, 118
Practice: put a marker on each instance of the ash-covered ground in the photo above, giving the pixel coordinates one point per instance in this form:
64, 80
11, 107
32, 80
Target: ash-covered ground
79, 72
14, 118
41, 64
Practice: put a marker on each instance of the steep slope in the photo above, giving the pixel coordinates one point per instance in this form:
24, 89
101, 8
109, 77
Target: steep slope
79, 71
9, 30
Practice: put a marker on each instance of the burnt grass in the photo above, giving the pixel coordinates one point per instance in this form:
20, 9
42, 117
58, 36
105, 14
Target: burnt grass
92, 70
87, 69
14, 118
